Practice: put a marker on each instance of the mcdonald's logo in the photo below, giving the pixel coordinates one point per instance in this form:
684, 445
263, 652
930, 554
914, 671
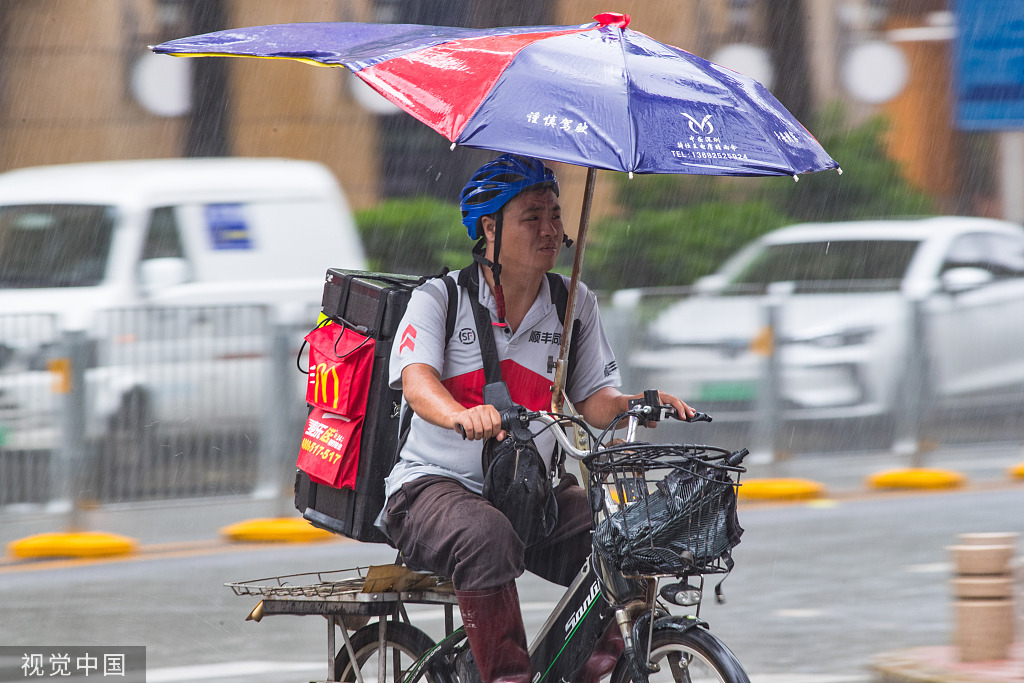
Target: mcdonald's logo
326, 378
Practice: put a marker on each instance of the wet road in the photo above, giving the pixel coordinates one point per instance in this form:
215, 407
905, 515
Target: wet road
818, 590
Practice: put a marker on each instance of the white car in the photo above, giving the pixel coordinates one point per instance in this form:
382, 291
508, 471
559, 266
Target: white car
174, 270
845, 296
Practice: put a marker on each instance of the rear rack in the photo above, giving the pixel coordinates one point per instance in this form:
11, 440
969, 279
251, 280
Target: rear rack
342, 591
349, 598
310, 584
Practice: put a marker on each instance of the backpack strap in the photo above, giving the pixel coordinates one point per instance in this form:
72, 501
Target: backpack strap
453, 309
560, 298
449, 329
495, 390
469, 280
559, 293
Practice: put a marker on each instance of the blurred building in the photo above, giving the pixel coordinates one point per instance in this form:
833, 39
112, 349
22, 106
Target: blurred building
77, 82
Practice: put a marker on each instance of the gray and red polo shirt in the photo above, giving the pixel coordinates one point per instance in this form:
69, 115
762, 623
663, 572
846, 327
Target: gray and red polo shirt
527, 360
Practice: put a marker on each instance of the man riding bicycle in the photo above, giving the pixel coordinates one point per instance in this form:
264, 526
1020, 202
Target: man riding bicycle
435, 513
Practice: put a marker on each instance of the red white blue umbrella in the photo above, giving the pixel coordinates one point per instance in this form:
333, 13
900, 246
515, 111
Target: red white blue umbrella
598, 95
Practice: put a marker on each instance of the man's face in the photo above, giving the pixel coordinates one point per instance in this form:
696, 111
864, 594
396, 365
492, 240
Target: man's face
531, 232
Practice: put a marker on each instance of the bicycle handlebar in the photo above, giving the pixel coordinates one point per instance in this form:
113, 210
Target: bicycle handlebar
650, 409
644, 410
519, 417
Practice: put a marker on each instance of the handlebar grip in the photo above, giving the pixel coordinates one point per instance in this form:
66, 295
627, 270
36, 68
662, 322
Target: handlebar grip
511, 421
516, 421
509, 417
697, 416
736, 457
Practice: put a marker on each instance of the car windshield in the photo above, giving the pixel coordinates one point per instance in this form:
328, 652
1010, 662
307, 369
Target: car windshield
54, 245
845, 265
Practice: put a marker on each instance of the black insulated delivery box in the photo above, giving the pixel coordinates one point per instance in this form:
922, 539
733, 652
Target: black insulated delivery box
373, 304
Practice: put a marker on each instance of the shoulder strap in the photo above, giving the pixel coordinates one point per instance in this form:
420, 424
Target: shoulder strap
468, 276
560, 298
559, 293
495, 391
453, 309
492, 367
451, 314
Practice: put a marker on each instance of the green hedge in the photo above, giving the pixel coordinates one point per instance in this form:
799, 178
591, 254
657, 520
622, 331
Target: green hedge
414, 236
672, 247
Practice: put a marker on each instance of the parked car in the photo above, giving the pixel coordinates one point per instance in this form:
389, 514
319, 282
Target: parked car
844, 336
172, 270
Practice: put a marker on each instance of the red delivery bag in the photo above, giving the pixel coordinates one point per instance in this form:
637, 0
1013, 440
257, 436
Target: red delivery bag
340, 364
330, 448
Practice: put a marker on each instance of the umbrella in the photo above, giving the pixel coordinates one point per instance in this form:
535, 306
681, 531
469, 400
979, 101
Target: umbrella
598, 95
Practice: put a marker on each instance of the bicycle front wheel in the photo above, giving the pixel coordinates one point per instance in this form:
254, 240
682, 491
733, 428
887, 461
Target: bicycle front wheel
686, 656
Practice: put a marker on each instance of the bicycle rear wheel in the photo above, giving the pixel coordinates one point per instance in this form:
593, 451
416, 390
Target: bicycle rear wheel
687, 656
403, 646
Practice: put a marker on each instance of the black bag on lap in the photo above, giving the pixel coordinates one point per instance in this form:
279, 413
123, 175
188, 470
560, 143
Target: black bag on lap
516, 479
517, 483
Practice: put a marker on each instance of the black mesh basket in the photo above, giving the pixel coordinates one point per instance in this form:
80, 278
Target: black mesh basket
665, 509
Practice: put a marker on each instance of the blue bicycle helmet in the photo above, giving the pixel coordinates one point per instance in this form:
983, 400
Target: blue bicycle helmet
498, 181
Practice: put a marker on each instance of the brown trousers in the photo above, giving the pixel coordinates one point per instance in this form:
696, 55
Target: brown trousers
441, 527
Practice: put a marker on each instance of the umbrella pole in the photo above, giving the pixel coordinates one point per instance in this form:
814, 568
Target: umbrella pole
562, 366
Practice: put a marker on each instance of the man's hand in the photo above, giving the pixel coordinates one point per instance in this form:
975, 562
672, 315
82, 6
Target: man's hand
432, 402
479, 422
601, 407
684, 411
429, 399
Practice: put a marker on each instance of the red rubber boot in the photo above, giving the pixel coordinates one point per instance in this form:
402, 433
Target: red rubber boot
494, 627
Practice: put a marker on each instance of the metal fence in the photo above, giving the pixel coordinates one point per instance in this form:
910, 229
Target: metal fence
152, 403
782, 377
207, 401
27, 343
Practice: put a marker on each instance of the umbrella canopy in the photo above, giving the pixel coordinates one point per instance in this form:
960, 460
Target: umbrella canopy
598, 95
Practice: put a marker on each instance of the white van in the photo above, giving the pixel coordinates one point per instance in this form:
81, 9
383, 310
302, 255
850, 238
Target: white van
80, 240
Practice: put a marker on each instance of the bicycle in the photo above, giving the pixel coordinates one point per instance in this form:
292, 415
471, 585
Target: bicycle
661, 511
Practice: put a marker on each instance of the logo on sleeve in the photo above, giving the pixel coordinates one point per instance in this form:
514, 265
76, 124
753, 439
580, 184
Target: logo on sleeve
610, 368
408, 339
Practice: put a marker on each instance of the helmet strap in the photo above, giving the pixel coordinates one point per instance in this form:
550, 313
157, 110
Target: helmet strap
478, 256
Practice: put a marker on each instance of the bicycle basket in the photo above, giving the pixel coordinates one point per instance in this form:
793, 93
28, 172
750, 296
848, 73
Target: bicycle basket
665, 509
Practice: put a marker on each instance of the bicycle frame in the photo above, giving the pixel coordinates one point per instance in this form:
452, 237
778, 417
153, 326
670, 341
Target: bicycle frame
572, 629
